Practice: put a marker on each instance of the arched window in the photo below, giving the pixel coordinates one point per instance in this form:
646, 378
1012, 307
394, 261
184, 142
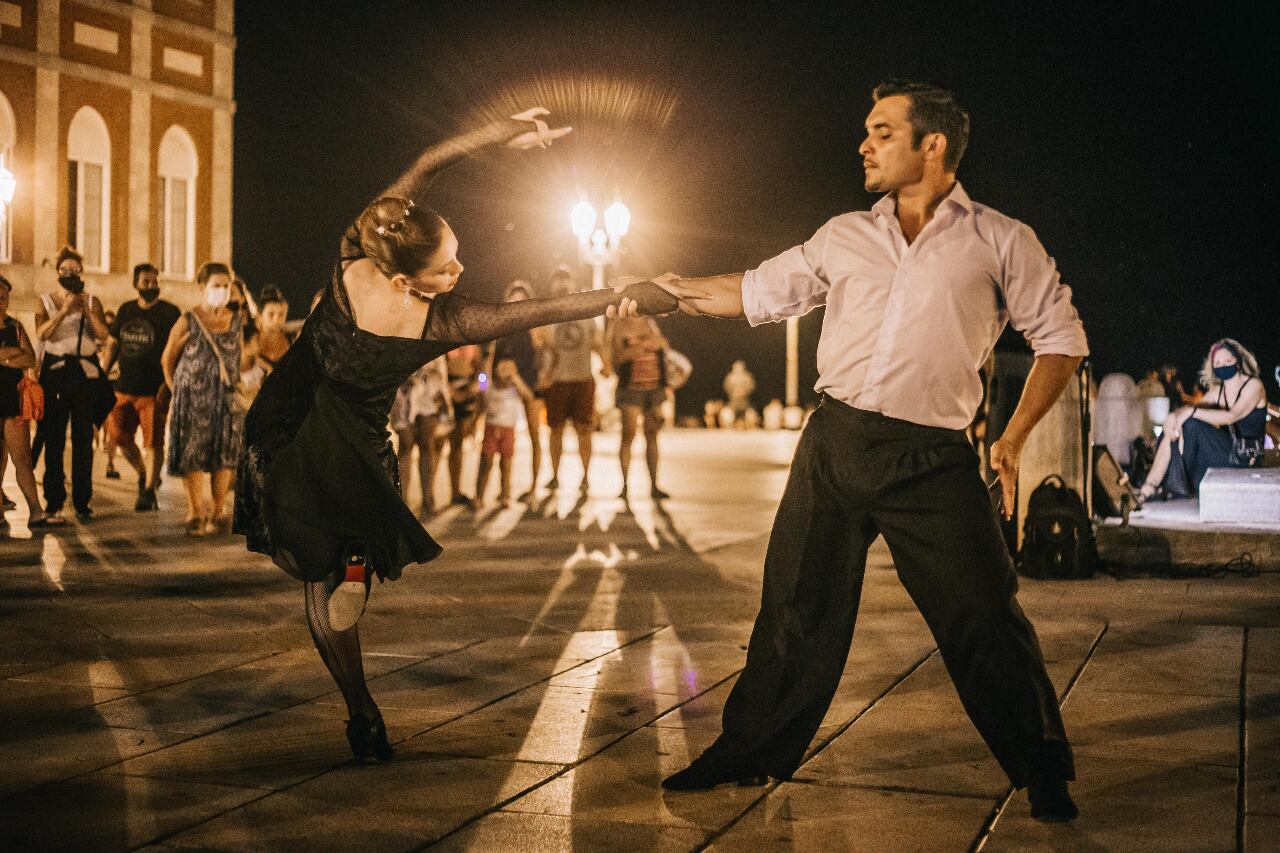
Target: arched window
8, 136
89, 188
175, 219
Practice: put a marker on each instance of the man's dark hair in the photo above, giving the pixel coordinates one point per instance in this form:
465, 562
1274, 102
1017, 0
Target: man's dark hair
933, 110
141, 268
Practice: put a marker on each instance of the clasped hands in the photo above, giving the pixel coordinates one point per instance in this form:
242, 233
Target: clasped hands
670, 282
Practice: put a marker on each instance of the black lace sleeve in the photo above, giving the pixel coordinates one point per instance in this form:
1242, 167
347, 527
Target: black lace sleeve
456, 319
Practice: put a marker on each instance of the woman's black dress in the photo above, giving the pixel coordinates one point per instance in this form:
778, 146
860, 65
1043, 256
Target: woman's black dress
10, 403
318, 472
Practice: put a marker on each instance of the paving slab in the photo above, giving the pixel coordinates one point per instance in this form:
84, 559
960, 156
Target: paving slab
550, 724
415, 799
104, 811
56, 749
620, 786
1260, 833
1130, 804
506, 832
1262, 727
820, 817
1264, 651
1199, 660
269, 752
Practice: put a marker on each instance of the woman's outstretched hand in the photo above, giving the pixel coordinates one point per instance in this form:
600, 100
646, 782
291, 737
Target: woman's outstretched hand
671, 283
541, 136
630, 308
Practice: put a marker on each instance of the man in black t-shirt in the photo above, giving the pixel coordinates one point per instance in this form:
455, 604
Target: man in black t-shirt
138, 336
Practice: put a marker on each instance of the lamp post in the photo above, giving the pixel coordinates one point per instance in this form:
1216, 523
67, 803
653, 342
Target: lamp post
599, 247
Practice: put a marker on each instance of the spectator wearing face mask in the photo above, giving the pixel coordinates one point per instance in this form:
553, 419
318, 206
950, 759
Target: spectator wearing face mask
70, 323
138, 336
1225, 430
202, 363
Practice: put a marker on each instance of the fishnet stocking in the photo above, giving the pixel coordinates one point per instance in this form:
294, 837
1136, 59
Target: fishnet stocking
340, 651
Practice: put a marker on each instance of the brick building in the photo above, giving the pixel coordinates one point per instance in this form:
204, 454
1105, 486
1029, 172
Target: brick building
116, 121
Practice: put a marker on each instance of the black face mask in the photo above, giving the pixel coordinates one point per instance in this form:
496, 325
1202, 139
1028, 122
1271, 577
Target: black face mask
71, 283
149, 294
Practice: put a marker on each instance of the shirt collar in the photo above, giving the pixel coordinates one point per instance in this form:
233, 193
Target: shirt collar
888, 205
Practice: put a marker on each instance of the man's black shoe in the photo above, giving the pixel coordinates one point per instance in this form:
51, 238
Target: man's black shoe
146, 500
703, 775
1050, 801
84, 514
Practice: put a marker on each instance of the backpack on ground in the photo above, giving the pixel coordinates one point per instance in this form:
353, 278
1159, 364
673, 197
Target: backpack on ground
1057, 536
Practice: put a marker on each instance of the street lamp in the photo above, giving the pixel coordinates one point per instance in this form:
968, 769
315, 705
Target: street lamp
597, 246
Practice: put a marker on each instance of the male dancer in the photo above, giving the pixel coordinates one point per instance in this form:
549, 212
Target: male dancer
917, 290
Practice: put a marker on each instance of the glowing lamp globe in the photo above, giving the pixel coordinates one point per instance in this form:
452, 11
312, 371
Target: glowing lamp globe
617, 220
582, 219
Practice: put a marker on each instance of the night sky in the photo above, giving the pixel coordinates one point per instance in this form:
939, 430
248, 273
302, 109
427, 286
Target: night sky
1137, 144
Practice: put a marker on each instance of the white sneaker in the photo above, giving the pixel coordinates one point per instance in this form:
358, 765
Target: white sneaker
346, 603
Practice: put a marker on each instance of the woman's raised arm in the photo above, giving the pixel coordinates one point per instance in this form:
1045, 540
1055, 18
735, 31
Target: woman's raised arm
521, 131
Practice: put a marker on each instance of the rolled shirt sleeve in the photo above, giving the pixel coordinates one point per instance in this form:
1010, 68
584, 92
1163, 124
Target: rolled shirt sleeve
788, 285
1038, 303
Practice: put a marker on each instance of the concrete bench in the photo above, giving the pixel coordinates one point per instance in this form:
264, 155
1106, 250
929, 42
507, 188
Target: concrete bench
1241, 496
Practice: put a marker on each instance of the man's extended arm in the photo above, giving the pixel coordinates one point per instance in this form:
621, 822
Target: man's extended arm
723, 295
1049, 376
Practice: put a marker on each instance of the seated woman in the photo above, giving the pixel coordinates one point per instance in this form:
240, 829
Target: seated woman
1225, 431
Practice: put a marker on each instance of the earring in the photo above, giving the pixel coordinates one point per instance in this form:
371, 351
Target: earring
404, 300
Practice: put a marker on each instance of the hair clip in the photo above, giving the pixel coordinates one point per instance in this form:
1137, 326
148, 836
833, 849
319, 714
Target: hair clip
381, 230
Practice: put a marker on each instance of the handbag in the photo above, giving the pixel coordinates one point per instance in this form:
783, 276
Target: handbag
103, 394
239, 394
1245, 452
678, 368
30, 399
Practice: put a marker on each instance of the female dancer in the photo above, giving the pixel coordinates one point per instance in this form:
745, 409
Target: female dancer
317, 482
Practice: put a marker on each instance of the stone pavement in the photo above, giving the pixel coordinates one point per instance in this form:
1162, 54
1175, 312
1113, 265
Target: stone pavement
558, 660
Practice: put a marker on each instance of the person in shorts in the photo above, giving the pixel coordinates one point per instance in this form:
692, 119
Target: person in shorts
638, 356
569, 386
504, 401
137, 338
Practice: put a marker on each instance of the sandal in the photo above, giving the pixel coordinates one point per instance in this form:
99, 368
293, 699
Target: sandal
45, 521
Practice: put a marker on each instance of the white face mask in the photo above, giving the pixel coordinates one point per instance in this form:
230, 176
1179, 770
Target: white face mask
217, 297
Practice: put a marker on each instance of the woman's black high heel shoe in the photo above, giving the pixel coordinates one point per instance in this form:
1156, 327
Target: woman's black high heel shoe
368, 739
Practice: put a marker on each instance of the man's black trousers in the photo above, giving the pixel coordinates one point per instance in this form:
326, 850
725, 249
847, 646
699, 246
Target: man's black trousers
857, 474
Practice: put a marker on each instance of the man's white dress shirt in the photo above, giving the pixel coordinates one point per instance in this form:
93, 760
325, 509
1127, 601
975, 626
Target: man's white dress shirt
908, 326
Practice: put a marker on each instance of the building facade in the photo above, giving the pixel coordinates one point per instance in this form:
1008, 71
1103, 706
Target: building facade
116, 122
